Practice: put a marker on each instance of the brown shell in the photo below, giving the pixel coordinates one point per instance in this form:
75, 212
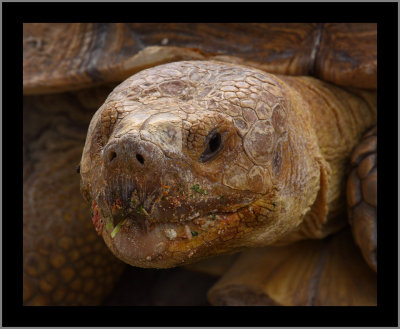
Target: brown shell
65, 56
65, 262
362, 197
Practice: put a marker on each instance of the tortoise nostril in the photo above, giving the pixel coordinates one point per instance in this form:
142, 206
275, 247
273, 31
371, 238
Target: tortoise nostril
112, 156
140, 158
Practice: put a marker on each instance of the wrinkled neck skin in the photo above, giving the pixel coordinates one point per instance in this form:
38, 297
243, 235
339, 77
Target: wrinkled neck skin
337, 119
192, 159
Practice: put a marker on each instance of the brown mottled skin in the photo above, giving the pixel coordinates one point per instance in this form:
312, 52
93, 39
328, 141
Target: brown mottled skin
153, 165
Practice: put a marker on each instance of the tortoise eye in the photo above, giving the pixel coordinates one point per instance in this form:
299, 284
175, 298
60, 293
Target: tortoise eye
214, 145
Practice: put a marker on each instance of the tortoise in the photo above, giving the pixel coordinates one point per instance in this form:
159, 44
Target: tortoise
204, 140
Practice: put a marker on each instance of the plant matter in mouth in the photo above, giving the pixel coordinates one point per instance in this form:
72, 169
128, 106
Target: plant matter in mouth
197, 189
117, 228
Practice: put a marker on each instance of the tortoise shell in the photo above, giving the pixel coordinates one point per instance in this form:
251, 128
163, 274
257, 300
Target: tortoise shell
62, 56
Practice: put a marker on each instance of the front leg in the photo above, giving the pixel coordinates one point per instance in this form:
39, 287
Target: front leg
328, 272
362, 197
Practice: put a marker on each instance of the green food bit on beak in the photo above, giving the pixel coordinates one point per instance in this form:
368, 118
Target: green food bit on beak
117, 228
142, 210
109, 226
194, 233
197, 189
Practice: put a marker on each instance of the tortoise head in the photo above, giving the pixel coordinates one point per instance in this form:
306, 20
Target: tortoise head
191, 159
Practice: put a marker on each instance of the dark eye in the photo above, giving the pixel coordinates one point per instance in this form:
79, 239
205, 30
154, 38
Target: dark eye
213, 146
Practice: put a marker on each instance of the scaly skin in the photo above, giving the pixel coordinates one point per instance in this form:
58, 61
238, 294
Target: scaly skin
192, 159
362, 197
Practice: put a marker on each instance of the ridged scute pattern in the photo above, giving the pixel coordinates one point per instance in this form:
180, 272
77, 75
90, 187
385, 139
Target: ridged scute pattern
65, 56
65, 262
362, 196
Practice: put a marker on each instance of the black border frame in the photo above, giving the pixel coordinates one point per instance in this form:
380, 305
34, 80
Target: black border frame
385, 14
